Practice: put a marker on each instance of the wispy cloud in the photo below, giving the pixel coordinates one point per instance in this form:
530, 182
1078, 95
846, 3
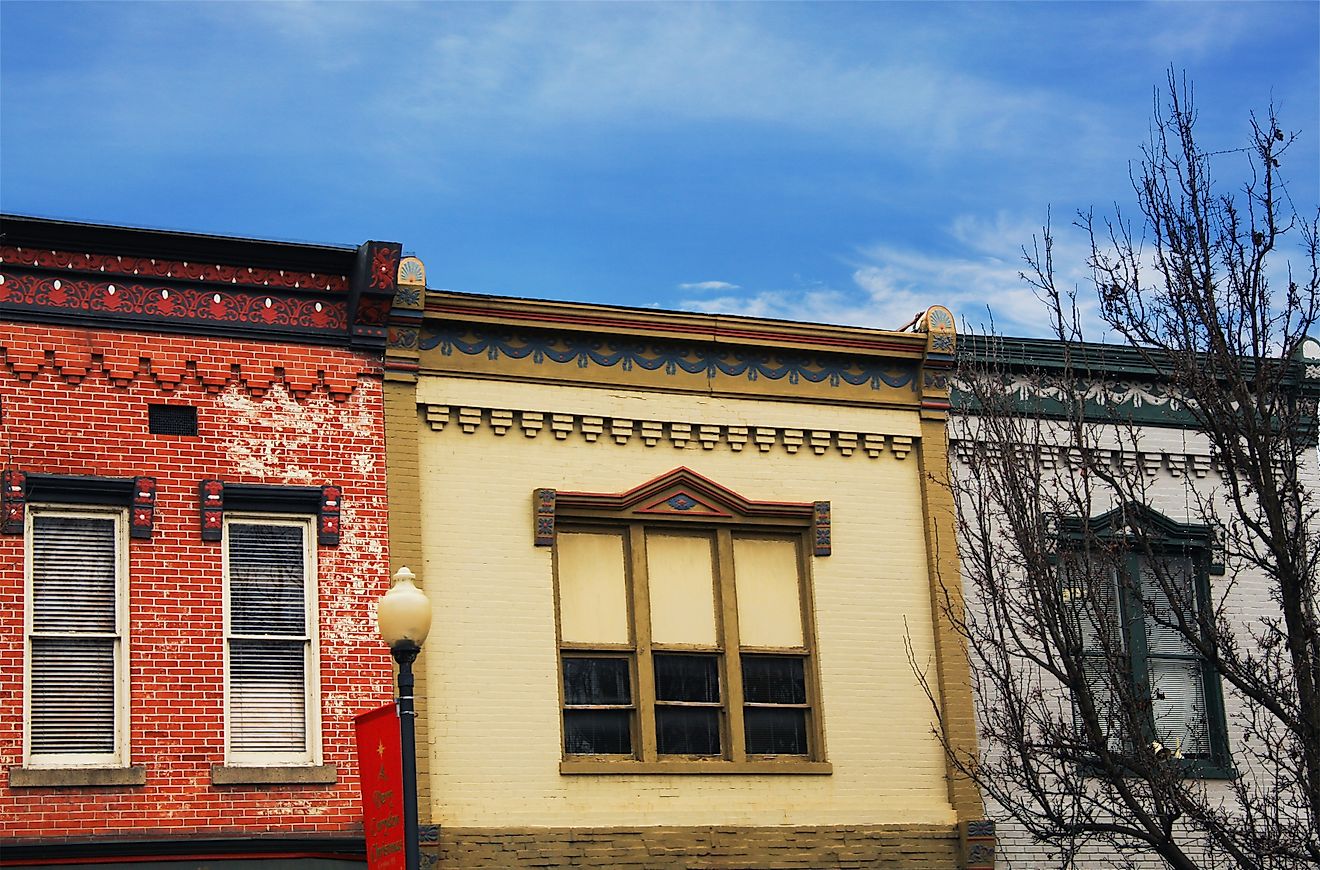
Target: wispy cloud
708, 285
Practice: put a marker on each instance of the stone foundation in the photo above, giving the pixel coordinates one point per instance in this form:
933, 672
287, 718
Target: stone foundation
700, 848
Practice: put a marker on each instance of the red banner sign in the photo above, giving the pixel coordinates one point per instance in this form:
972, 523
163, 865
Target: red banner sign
380, 767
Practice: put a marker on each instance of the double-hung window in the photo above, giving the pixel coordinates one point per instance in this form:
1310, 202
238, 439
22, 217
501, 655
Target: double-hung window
77, 677
271, 671
1140, 598
686, 645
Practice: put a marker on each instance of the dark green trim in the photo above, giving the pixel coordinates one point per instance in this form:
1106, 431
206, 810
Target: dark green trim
1169, 538
1052, 358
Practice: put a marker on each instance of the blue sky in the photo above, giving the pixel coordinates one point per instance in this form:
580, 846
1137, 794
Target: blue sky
848, 163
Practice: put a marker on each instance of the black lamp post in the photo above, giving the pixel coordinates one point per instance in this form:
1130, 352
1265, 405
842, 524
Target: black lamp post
403, 615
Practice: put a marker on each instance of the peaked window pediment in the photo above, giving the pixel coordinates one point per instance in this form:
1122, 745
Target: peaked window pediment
683, 495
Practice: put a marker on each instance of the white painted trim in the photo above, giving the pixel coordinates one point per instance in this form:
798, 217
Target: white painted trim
312, 754
120, 757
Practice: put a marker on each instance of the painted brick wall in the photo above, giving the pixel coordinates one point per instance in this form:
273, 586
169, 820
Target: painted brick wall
1173, 487
75, 402
492, 665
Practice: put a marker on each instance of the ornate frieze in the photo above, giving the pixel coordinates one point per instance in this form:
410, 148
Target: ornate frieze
153, 301
658, 433
602, 359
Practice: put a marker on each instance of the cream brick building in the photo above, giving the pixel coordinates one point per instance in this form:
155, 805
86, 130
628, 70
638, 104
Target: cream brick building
677, 564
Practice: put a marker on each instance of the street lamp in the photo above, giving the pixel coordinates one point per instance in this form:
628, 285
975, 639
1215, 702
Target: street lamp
403, 616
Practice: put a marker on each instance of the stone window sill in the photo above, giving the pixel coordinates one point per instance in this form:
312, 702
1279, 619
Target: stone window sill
324, 774
73, 777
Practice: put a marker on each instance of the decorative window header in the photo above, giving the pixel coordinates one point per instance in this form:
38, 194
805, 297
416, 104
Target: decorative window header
19, 488
681, 494
215, 497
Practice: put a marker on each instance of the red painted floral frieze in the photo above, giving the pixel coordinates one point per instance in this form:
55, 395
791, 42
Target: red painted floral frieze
116, 265
182, 303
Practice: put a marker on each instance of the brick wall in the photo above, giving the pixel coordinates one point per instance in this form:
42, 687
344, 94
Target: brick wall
75, 402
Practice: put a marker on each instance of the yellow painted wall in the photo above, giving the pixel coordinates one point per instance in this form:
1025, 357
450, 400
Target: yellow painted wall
492, 660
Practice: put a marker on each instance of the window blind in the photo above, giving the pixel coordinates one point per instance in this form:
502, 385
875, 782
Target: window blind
269, 641
74, 643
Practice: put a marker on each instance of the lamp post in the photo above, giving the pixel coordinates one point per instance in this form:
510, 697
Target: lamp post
403, 615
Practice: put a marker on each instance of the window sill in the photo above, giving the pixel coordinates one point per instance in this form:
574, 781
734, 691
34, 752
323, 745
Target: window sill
71, 777
324, 774
575, 767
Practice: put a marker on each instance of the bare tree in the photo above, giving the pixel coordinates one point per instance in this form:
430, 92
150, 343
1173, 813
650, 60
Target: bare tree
1093, 621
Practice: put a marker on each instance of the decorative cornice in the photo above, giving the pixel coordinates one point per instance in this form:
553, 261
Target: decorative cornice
661, 326
92, 275
122, 358
653, 433
117, 265
1176, 464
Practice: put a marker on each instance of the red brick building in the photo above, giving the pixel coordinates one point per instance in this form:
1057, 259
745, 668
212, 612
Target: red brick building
194, 533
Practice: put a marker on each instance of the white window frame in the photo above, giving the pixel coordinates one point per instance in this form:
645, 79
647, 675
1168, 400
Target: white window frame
310, 756
119, 756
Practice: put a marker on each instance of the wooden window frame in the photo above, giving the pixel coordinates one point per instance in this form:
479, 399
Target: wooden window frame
119, 757
311, 755
645, 758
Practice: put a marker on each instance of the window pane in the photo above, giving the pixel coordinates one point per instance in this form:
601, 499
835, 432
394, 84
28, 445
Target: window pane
73, 695
593, 593
596, 681
687, 730
267, 695
266, 577
1090, 586
597, 732
1177, 689
775, 731
73, 573
687, 678
769, 596
1159, 577
681, 576
774, 680
1099, 681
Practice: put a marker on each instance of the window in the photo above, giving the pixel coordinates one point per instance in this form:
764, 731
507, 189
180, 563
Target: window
271, 672
1136, 597
686, 645
77, 681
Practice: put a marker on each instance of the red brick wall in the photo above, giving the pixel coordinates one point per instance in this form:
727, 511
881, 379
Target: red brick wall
75, 402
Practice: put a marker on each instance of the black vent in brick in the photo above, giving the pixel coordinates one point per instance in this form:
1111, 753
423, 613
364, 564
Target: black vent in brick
172, 419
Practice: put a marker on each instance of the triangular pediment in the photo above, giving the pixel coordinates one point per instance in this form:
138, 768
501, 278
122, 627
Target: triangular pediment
683, 492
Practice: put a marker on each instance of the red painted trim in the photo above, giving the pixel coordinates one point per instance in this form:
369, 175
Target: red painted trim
201, 856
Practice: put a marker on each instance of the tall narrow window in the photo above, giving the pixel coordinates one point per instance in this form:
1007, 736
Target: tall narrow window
271, 637
77, 686
1138, 602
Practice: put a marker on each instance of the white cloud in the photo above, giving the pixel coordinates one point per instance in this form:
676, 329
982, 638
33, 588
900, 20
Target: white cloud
708, 285
979, 279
